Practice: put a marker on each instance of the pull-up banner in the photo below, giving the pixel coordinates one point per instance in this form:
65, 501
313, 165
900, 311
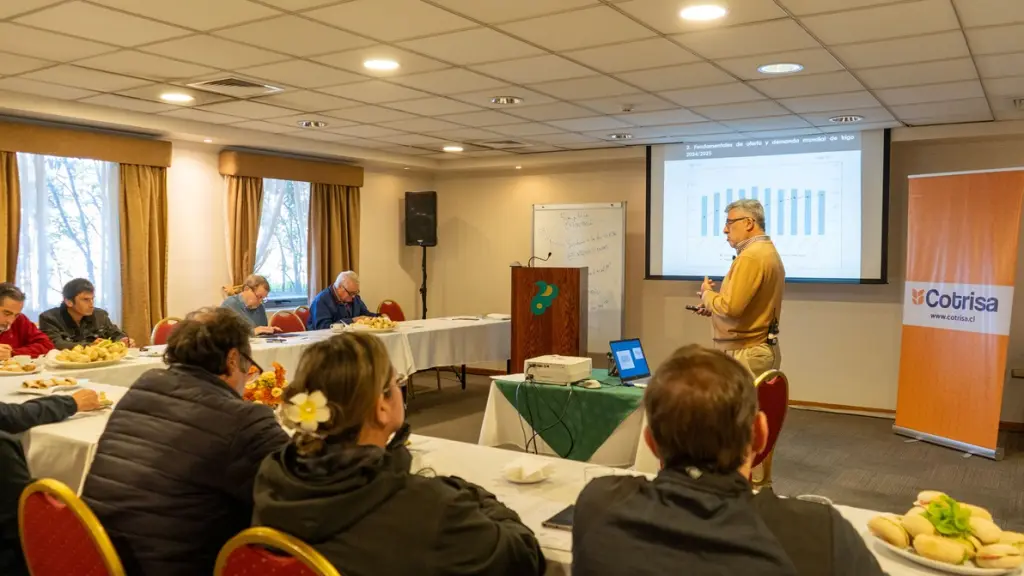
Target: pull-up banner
962, 236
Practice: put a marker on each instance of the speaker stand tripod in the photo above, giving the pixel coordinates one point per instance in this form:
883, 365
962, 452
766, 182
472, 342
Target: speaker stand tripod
423, 287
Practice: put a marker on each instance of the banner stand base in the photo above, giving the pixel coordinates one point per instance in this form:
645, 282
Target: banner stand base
996, 454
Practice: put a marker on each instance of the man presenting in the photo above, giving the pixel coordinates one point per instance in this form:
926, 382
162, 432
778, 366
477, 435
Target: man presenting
745, 314
78, 321
338, 303
18, 335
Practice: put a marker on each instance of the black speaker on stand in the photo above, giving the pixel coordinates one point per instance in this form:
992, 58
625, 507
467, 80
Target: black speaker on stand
421, 229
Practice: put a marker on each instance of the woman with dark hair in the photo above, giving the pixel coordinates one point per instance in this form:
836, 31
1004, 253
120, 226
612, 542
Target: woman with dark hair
342, 487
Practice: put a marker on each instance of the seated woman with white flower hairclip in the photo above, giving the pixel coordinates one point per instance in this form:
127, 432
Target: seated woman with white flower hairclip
344, 489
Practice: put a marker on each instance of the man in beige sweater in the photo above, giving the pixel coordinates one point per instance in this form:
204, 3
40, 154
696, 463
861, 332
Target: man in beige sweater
745, 314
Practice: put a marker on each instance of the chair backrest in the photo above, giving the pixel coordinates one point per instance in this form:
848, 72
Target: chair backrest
162, 330
287, 321
60, 535
303, 313
392, 310
263, 550
773, 399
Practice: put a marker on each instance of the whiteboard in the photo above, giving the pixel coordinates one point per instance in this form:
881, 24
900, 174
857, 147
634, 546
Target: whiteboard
591, 235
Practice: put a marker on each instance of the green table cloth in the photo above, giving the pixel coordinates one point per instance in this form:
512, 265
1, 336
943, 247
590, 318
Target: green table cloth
573, 421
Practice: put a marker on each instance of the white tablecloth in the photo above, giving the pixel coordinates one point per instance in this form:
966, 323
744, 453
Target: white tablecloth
501, 426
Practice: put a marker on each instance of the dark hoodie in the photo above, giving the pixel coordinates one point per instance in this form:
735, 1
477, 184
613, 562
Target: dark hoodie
361, 508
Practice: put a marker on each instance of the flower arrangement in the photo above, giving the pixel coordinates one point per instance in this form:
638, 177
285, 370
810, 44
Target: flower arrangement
268, 388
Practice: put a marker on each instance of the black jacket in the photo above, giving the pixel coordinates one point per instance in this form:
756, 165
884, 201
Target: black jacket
173, 473
361, 508
65, 333
14, 477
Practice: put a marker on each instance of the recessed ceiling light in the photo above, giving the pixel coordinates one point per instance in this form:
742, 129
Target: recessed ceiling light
311, 124
780, 68
383, 65
406, 168
208, 140
452, 148
703, 12
845, 119
519, 167
176, 97
621, 136
506, 100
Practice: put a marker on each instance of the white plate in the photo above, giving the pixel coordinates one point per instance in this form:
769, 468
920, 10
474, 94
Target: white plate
52, 389
967, 569
58, 364
39, 368
518, 481
364, 328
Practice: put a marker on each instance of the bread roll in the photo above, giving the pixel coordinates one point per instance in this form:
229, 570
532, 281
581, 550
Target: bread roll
924, 498
1013, 538
940, 549
999, 556
977, 511
970, 544
985, 530
916, 525
915, 511
888, 528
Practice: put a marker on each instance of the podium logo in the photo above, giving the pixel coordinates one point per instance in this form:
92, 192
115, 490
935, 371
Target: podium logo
546, 293
917, 296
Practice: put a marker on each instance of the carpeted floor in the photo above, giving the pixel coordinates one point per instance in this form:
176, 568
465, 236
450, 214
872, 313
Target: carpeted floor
854, 460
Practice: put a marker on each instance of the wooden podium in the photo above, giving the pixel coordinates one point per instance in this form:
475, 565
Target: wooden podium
549, 313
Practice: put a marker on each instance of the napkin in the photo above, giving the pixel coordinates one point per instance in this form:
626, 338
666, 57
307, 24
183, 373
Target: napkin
525, 470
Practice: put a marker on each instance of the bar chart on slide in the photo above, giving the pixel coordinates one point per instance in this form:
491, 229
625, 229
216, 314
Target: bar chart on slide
806, 210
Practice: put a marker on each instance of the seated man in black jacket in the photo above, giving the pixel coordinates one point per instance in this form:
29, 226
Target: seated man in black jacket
173, 474
699, 512
14, 419
78, 321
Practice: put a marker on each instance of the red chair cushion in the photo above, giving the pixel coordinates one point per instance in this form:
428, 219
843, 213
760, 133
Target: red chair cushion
392, 309
287, 322
55, 542
303, 314
250, 560
773, 398
163, 332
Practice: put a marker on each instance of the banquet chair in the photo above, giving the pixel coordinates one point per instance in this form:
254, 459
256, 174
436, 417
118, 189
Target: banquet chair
392, 310
60, 535
773, 400
263, 550
287, 322
303, 313
162, 330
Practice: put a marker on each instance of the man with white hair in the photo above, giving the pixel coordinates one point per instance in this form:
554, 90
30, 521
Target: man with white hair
339, 302
745, 313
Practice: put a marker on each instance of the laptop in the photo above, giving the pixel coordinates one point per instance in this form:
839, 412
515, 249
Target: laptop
631, 362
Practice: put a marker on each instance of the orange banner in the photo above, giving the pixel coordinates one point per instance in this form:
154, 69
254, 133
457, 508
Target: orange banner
961, 260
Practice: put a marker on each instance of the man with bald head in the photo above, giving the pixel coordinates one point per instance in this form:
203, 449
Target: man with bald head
339, 302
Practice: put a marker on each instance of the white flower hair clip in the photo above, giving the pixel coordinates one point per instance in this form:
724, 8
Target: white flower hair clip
307, 411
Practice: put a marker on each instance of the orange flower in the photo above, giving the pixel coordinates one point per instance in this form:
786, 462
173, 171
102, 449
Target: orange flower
278, 373
257, 394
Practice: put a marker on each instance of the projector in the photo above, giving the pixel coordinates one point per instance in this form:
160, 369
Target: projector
554, 369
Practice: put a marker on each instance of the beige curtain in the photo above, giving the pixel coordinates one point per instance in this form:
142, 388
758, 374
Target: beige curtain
143, 212
10, 215
333, 233
245, 203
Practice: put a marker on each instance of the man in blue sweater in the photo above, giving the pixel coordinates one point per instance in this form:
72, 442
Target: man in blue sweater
339, 302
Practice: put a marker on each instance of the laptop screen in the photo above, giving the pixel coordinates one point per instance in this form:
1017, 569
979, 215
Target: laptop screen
630, 359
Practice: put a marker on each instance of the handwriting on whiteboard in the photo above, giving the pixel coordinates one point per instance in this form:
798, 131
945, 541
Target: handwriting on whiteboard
576, 220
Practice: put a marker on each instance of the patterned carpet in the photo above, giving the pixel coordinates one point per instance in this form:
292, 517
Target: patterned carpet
853, 460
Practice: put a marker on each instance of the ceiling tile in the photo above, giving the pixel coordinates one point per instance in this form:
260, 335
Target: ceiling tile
639, 103
744, 110
84, 78
307, 101
536, 69
142, 65
196, 14
472, 47
365, 131
996, 40
709, 95
494, 12
998, 65
539, 148
416, 140
580, 29
12, 64
249, 109
322, 136
405, 150
47, 45
773, 123
642, 54
903, 51
262, 126
432, 106
215, 52
685, 76
391, 20
955, 109
975, 13
865, 126
488, 153
871, 115
524, 129
296, 5
593, 123
302, 74
421, 125
467, 134
295, 36
919, 73
293, 121
781, 133
664, 14
375, 92
883, 22
814, 61
366, 143
1009, 87
565, 138
555, 111
592, 87
125, 103
369, 114
409, 63
804, 7
483, 97
687, 129
931, 93
27, 86
96, 23
450, 81
152, 93
1005, 109
747, 40
201, 116
851, 100
14, 7
678, 116
807, 85
480, 119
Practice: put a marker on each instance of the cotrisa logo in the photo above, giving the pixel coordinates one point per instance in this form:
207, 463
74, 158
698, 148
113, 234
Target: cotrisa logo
979, 308
934, 298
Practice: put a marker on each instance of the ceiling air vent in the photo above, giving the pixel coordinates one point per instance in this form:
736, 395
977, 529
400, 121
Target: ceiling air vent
502, 144
236, 87
1018, 103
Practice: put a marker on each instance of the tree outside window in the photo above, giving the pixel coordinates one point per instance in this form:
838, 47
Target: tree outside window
281, 246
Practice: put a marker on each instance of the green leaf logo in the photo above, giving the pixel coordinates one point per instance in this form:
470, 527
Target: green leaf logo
546, 293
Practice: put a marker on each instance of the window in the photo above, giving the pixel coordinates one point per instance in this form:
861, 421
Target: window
69, 229
282, 241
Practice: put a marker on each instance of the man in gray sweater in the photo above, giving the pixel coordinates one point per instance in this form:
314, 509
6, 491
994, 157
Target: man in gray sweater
249, 304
